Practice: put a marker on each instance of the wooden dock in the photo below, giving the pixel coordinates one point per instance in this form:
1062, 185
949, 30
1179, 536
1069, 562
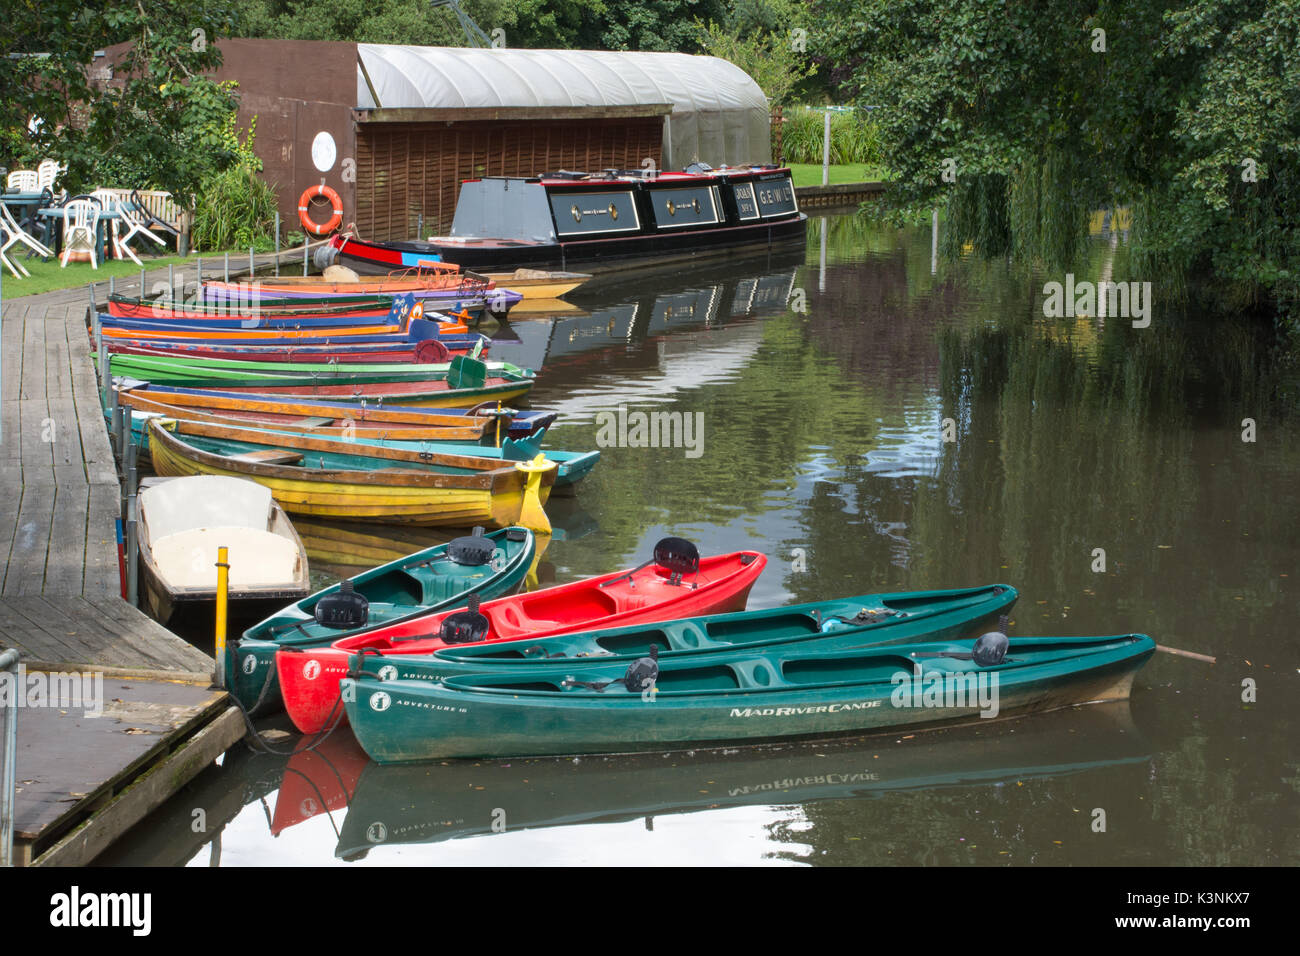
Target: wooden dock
84, 780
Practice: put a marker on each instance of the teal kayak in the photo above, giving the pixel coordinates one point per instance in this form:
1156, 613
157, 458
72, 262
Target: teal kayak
727, 697
437, 578
875, 619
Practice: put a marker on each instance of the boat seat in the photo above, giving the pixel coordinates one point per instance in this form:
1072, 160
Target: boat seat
315, 422
200, 501
270, 456
188, 559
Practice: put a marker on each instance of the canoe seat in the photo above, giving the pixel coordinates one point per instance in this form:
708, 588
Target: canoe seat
270, 456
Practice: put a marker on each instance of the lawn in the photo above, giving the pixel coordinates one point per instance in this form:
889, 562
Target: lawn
48, 276
810, 174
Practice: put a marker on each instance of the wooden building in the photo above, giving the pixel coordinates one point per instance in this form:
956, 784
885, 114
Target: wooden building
396, 129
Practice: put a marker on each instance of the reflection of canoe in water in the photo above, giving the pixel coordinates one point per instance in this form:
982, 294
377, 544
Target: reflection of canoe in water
318, 781
423, 804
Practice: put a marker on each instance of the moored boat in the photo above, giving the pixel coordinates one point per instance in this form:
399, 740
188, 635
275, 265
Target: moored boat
677, 582
866, 619
534, 284
183, 522
313, 477
589, 706
601, 220
482, 423
443, 576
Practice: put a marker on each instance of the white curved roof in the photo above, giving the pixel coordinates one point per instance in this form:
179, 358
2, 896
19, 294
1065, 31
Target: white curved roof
719, 114
406, 77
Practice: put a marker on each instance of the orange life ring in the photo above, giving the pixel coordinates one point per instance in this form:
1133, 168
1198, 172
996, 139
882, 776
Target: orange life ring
335, 201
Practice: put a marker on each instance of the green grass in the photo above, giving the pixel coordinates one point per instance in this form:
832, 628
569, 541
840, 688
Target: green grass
49, 277
808, 174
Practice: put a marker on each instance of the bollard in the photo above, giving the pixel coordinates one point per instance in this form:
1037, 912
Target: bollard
304, 255
226, 275
132, 554
223, 588
826, 151
277, 242
251, 269
8, 661
111, 287
171, 281
132, 468
142, 284
90, 289
104, 381
119, 421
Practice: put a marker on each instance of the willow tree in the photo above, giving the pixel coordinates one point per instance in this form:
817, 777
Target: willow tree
1019, 119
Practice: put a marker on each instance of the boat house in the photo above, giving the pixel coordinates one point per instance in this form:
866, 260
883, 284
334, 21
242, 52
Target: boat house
396, 129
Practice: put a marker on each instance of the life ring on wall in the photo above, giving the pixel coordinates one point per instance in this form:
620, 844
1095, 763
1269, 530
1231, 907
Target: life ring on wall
304, 201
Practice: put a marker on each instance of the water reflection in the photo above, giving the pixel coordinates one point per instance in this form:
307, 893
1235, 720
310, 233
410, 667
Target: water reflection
824, 447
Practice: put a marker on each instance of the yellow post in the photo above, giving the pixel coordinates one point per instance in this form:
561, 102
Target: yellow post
498, 424
531, 515
223, 591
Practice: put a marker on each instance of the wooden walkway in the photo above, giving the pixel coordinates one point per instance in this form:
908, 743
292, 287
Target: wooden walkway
84, 780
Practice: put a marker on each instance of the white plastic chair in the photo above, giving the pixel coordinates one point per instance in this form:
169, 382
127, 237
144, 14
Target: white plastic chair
12, 234
81, 219
23, 180
135, 226
48, 172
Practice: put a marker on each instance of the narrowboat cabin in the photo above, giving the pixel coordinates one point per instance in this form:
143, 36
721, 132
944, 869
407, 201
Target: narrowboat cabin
618, 218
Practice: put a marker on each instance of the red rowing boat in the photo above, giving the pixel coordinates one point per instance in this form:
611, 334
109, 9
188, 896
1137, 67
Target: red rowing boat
677, 583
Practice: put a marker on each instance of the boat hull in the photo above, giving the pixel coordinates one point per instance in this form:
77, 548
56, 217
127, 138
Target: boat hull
391, 591
399, 721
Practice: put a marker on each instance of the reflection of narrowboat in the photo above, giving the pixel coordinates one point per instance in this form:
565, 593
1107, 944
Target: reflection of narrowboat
603, 220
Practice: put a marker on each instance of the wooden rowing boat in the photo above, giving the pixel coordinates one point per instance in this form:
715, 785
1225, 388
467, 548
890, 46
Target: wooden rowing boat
182, 523
314, 477
729, 697
439, 577
432, 351
539, 284
364, 420
303, 333
676, 583
462, 382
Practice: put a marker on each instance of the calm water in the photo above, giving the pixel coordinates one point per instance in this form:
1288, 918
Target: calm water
823, 446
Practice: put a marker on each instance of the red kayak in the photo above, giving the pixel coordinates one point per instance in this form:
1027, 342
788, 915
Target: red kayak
676, 583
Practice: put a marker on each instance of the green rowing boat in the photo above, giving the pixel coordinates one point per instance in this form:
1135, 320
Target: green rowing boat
437, 578
551, 707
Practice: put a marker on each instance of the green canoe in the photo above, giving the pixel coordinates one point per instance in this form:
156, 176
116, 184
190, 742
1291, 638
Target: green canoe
208, 372
874, 619
440, 577
552, 707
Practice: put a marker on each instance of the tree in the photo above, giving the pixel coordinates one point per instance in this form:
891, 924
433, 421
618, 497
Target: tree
158, 121
1042, 113
767, 39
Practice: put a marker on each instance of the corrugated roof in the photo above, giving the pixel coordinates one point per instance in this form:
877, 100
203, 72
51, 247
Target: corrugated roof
407, 77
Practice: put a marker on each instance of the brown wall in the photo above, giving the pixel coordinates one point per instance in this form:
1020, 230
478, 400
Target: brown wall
296, 88
408, 169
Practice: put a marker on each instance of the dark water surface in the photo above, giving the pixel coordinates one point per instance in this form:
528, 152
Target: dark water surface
823, 447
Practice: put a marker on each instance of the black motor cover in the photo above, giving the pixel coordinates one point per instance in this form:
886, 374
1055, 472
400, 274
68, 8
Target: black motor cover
465, 627
642, 672
345, 609
677, 556
471, 550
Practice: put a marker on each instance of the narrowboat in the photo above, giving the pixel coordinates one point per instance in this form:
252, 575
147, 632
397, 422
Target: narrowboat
602, 220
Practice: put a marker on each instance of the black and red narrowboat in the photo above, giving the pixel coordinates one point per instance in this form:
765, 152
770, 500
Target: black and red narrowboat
600, 221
